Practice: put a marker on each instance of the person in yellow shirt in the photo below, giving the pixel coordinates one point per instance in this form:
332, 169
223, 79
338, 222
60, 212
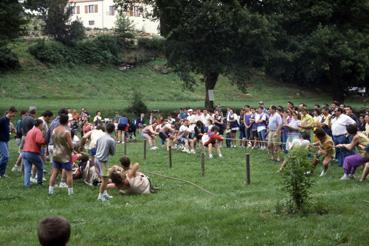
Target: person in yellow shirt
325, 150
307, 122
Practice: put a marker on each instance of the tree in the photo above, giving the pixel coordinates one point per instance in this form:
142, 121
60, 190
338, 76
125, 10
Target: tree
322, 43
212, 37
56, 15
11, 20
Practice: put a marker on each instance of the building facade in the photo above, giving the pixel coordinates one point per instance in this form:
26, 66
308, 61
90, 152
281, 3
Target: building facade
103, 14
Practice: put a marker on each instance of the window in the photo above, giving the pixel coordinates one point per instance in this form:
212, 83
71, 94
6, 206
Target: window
78, 10
111, 10
91, 8
73, 10
135, 11
91, 23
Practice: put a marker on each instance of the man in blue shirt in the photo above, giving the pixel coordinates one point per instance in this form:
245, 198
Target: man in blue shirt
4, 139
122, 128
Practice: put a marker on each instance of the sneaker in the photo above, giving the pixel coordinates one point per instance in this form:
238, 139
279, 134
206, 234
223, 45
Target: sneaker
102, 198
63, 185
323, 173
210, 156
193, 151
154, 148
220, 156
345, 177
16, 169
107, 196
33, 180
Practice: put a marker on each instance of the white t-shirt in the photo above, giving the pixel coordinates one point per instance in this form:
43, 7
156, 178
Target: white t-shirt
95, 135
339, 124
259, 117
205, 138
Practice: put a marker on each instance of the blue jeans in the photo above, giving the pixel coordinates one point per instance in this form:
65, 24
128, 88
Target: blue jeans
262, 135
341, 153
30, 158
4, 157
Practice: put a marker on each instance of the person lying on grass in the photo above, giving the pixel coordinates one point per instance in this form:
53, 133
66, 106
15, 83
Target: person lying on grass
131, 181
325, 150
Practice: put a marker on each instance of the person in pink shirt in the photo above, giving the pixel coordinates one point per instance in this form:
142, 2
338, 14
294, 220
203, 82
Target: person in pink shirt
32, 153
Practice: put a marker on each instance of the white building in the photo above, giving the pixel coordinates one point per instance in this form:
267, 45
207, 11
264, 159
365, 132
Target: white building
102, 14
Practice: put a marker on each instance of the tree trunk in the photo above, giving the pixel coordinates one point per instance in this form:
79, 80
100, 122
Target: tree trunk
210, 80
337, 87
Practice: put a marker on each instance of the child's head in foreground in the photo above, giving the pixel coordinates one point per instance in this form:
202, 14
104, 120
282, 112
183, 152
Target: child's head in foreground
54, 230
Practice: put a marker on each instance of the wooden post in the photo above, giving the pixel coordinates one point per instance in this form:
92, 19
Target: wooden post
248, 177
202, 164
125, 143
145, 147
170, 156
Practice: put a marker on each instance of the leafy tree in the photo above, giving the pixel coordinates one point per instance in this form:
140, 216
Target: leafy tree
56, 14
324, 43
212, 37
11, 20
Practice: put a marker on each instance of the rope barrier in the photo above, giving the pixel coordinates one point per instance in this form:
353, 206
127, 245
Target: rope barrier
182, 180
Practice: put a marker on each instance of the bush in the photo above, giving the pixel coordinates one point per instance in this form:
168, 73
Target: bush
76, 32
101, 50
52, 52
8, 59
137, 105
124, 27
152, 44
295, 180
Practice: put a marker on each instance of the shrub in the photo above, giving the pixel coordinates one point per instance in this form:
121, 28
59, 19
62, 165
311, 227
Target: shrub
124, 27
152, 44
137, 105
76, 32
101, 50
52, 52
295, 180
8, 59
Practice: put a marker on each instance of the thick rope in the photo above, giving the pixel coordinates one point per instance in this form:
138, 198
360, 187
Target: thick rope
182, 180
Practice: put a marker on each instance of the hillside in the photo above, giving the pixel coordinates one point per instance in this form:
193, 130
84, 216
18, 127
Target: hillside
108, 88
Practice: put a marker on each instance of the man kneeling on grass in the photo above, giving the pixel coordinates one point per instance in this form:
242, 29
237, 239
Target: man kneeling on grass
128, 180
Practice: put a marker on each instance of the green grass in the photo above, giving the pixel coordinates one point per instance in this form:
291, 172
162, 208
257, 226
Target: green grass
108, 89
181, 214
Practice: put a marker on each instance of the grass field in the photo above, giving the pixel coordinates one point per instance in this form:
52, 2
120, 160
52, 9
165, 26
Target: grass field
181, 214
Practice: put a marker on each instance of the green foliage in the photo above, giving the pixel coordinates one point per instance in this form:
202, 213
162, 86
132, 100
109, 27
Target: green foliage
152, 44
52, 52
8, 59
295, 181
100, 50
321, 43
12, 20
76, 32
137, 105
123, 27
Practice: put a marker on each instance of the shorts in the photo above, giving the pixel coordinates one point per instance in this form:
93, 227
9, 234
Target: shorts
274, 139
122, 127
59, 165
163, 136
103, 168
93, 151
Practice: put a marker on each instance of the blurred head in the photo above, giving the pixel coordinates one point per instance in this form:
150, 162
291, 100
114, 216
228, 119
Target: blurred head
47, 115
272, 109
63, 120
39, 123
351, 129
348, 110
110, 127
320, 133
54, 231
338, 111
125, 162
11, 113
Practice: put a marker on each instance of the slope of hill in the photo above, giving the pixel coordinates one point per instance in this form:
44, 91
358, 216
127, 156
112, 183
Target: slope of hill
108, 88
